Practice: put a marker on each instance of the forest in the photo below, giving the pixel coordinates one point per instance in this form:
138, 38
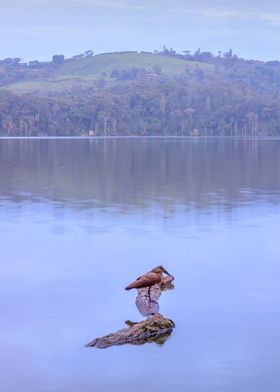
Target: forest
164, 93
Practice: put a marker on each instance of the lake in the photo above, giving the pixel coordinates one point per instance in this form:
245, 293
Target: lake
82, 218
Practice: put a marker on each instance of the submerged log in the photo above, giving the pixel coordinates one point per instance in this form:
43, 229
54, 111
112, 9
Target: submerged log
153, 329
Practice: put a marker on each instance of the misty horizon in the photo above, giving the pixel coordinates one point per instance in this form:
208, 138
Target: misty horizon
37, 31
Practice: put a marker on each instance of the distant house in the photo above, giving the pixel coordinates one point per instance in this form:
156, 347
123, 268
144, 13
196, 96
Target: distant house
77, 56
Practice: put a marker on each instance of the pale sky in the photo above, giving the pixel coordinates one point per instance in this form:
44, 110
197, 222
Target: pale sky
37, 29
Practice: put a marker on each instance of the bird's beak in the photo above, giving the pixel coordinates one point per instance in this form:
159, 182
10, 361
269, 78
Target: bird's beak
167, 272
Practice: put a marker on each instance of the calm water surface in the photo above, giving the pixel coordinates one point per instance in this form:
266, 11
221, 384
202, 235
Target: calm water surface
80, 219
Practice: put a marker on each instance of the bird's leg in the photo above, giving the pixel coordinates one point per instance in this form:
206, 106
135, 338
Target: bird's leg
149, 293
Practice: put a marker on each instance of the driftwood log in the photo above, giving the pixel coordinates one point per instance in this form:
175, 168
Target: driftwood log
155, 328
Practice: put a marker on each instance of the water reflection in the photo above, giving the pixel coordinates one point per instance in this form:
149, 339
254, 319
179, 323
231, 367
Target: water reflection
154, 329
126, 174
78, 218
147, 304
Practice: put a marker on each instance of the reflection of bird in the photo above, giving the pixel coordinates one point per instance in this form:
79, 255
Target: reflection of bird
149, 279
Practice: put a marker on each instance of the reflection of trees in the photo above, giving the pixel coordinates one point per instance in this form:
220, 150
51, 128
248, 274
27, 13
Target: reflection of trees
137, 173
154, 329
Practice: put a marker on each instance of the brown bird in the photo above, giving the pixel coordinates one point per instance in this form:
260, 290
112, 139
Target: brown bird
149, 279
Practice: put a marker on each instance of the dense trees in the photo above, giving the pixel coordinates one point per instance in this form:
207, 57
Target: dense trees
177, 106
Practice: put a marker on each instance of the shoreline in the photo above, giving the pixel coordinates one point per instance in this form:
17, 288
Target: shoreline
139, 137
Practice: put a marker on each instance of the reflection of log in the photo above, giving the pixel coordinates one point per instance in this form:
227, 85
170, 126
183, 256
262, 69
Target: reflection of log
147, 306
153, 329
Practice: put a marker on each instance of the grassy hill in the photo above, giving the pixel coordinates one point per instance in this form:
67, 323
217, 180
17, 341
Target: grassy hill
96, 65
83, 71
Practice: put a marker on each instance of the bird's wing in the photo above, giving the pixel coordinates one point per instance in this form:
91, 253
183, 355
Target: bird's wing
148, 275
146, 280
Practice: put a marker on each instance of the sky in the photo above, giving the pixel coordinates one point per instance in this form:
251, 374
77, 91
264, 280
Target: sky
37, 29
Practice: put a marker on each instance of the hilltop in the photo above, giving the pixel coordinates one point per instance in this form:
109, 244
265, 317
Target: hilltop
131, 93
93, 66
83, 70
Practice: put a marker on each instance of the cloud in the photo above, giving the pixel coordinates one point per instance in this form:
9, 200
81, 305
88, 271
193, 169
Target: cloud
209, 16
123, 5
274, 19
33, 5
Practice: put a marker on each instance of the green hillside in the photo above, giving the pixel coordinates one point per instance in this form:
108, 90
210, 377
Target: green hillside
96, 65
83, 71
